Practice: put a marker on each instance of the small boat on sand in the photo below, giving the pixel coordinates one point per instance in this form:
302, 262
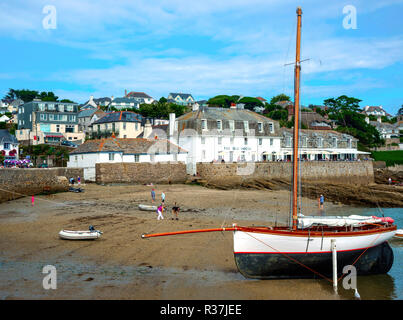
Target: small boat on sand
145, 207
399, 234
90, 234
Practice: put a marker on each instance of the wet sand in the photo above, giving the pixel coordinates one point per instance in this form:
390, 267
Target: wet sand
121, 265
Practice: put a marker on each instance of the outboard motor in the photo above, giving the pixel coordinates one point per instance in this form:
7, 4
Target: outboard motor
91, 228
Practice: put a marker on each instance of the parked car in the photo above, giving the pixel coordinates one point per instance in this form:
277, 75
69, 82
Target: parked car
68, 144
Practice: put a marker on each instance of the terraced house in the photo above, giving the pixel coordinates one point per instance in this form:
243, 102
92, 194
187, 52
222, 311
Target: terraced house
320, 145
48, 122
225, 134
123, 124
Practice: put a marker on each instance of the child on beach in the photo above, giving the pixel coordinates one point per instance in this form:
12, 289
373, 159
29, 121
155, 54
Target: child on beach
79, 181
163, 197
160, 209
175, 210
153, 195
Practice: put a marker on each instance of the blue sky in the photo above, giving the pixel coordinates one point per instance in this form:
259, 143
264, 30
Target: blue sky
204, 47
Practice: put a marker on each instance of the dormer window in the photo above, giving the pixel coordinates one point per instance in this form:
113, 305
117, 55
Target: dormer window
260, 126
246, 126
231, 125
204, 124
219, 125
271, 127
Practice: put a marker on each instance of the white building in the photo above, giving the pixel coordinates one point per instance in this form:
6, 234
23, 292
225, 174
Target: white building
224, 135
8, 145
115, 150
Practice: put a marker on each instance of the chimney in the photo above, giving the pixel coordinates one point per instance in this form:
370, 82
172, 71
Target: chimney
233, 105
147, 129
171, 125
367, 119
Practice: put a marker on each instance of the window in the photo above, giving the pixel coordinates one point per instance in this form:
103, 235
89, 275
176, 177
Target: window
113, 127
260, 126
219, 125
271, 127
51, 117
111, 156
57, 128
61, 107
219, 140
246, 126
349, 143
99, 128
75, 158
231, 125
43, 117
304, 141
320, 142
6, 146
204, 124
231, 140
41, 107
334, 142
136, 158
124, 136
51, 106
69, 108
271, 142
124, 126
203, 140
245, 141
260, 141
288, 141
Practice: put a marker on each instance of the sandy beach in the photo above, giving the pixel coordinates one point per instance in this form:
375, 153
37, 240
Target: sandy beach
122, 265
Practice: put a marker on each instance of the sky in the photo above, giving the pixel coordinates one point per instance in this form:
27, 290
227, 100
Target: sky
78, 48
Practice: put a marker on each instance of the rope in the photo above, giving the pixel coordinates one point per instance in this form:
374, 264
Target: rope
291, 258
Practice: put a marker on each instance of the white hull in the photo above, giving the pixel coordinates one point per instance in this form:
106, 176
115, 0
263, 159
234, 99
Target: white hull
79, 235
253, 242
399, 234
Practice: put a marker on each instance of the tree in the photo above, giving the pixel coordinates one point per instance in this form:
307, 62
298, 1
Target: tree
345, 110
24, 94
279, 97
222, 101
251, 103
67, 101
48, 96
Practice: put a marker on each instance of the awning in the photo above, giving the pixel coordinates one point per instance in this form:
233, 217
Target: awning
360, 152
53, 135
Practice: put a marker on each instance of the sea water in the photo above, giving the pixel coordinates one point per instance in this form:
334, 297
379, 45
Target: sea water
387, 286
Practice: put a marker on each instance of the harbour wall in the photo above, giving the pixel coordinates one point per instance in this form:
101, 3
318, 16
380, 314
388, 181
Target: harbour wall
357, 173
17, 183
140, 173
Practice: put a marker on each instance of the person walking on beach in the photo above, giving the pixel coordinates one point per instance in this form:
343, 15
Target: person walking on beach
163, 197
160, 209
153, 195
175, 211
321, 200
79, 181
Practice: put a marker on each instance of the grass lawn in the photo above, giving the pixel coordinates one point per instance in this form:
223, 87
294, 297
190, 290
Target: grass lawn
390, 157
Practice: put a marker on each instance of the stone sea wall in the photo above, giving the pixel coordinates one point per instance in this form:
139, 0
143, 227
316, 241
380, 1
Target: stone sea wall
17, 183
140, 173
358, 172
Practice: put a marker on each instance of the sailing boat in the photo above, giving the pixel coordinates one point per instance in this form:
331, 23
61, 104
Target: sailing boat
298, 251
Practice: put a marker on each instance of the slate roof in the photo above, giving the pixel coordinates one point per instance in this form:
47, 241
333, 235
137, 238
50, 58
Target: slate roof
212, 113
7, 137
124, 116
129, 146
134, 94
87, 112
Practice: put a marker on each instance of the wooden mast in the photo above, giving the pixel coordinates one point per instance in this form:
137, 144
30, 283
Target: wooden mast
296, 122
